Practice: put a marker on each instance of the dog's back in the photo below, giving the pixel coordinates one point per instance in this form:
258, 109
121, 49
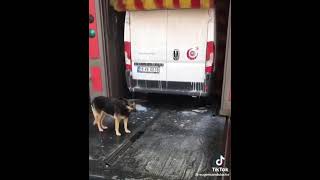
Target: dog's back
110, 105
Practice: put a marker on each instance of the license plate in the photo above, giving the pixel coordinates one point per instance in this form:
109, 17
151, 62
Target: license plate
148, 69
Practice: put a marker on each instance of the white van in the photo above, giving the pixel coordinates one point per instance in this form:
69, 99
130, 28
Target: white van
170, 51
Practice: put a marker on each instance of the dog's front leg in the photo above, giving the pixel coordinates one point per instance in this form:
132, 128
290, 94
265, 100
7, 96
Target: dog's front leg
116, 125
99, 119
95, 115
125, 122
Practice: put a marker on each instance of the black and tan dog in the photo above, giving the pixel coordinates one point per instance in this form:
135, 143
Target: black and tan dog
117, 108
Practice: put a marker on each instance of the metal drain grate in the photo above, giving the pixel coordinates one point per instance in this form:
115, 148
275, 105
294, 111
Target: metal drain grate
115, 155
112, 158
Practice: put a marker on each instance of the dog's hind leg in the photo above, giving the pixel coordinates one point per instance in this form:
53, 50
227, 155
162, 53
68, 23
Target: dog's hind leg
116, 125
102, 118
125, 122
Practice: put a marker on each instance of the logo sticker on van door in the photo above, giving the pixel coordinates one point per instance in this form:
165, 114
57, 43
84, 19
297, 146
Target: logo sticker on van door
176, 54
192, 53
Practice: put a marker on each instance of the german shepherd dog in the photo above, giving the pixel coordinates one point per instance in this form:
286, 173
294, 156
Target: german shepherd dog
117, 108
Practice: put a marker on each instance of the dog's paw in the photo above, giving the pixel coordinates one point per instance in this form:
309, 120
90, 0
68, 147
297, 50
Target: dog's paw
118, 134
127, 131
101, 130
104, 127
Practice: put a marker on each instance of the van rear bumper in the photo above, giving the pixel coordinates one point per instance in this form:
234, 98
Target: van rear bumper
169, 87
169, 91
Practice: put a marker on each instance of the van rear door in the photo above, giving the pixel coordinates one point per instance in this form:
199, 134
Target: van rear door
148, 31
186, 45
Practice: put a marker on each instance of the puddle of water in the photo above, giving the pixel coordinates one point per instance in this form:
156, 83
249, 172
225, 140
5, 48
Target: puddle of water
199, 110
141, 108
188, 113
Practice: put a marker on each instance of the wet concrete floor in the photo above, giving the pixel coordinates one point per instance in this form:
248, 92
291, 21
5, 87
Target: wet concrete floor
170, 139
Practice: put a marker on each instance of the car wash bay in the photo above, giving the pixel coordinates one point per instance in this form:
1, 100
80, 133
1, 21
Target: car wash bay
173, 137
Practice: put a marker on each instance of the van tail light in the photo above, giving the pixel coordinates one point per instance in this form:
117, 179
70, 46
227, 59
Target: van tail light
210, 57
127, 55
